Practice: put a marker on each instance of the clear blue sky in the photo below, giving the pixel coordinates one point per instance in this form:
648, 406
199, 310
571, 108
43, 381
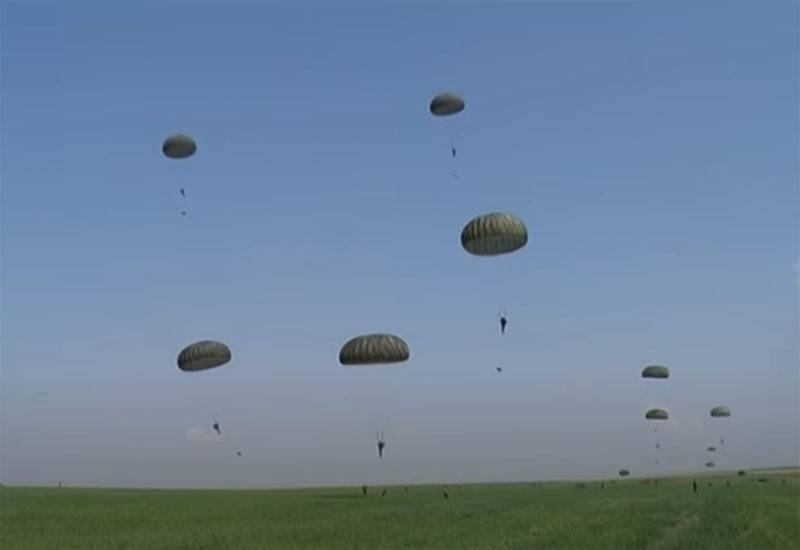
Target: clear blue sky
651, 148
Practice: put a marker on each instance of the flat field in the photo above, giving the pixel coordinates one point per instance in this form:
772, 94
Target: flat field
759, 510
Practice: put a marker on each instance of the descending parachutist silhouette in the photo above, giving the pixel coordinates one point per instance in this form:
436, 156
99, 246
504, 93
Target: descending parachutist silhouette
216, 428
381, 444
503, 323
183, 192
499, 369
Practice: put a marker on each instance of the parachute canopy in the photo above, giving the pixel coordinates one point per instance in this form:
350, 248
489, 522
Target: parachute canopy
493, 234
710, 464
179, 146
657, 414
655, 371
624, 473
372, 349
206, 354
712, 449
720, 412
446, 104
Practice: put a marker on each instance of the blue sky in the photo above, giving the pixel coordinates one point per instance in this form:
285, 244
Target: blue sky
650, 147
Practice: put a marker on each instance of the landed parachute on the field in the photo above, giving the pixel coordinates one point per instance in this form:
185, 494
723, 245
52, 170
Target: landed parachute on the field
374, 349
494, 234
655, 371
203, 355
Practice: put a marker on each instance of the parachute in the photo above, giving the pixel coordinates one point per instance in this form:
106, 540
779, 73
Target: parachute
720, 412
657, 414
446, 104
655, 371
179, 146
494, 234
712, 449
710, 464
371, 349
206, 354
624, 473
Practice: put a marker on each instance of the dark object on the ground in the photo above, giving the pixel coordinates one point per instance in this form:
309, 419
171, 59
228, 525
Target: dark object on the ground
710, 484
741, 473
783, 481
383, 493
727, 482
694, 485
405, 488
762, 480
445, 494
602, 485
580, 485
655, 482
364, 489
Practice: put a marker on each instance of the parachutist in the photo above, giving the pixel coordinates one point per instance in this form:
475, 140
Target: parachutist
381, 444
499, 369
183, 212
216, 428
694, 485
183, 192
238, 453
503, 323
453, 151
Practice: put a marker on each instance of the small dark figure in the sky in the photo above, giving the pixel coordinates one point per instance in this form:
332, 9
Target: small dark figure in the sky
381, 444
183, 192
503, 323
183, 212
694, 485
453, 151
238, 453
216, 428
658, 446
499, 369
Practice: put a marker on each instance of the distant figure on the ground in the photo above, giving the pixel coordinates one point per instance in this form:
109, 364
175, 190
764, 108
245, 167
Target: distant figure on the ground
216, 428
602, 485
503, 323
405, 489
694, 485
727, 482
59, 485
381, 444
364, 489
383, 493
783, 481
709, 484
445, 493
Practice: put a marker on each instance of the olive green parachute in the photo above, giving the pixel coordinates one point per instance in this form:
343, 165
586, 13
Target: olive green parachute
710, 464
179, 146
493, 234
712, 449
206, 354
372, 349
655, 371
657, 414
446, 104
720, 412
624, 473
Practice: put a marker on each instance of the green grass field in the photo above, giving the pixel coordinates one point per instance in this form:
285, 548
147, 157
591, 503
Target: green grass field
750, 514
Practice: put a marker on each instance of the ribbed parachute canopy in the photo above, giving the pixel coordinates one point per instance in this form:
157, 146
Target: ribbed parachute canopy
720, 412
493, 234
446, 104
203, 355
179, 146
657, 414
374, 349
655, 371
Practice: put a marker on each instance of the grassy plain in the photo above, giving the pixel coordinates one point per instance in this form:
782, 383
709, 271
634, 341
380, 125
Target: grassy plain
755, 511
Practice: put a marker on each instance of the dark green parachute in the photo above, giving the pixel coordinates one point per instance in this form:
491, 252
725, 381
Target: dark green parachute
657, 414
446, 104
655, 371
493, 234
720, 412
624, 473
206, 354
373, 349
179, 146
